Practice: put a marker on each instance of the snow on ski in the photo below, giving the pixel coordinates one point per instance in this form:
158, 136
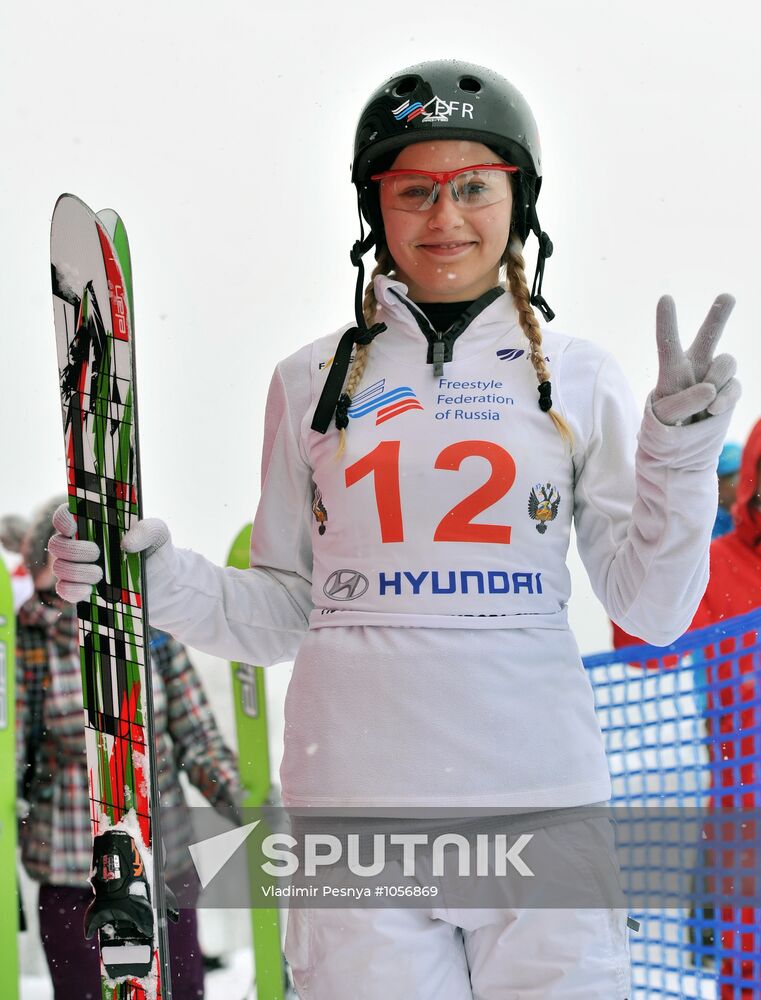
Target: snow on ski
93, 323
254, 767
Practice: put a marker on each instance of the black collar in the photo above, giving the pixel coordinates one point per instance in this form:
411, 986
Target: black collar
441, 344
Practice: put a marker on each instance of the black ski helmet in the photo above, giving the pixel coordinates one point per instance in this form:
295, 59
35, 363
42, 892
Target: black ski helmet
443, 99
448, 99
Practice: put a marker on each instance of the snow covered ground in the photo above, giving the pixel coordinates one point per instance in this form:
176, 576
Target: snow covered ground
234, 982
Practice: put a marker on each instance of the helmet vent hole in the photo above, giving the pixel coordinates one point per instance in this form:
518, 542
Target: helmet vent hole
470, 85
405, 86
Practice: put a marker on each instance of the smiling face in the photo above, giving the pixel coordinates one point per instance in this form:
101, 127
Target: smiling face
448, 252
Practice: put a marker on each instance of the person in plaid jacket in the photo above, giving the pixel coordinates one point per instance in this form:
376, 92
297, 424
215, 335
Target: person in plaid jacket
55, 835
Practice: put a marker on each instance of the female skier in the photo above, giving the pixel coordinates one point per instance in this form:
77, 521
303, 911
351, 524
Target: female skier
409, 547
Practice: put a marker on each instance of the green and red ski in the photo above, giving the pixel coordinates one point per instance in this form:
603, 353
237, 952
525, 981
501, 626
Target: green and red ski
250, 701
94, 337
9, 905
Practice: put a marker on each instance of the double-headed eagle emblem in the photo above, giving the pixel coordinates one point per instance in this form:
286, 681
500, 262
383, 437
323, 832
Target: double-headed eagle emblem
319, 511
543, 503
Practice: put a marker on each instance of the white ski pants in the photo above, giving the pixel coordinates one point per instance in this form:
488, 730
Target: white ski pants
448, 952
392, 954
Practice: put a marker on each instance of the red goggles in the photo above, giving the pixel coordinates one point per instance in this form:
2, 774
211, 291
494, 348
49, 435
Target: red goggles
471, 187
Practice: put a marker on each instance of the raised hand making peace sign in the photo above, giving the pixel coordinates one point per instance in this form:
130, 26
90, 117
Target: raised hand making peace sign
693, 384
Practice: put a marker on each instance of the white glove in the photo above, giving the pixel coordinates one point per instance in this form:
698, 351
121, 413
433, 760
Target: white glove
146, 536
693, 384
75, 561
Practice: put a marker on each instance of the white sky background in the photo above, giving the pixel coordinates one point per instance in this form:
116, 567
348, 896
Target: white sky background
222, 134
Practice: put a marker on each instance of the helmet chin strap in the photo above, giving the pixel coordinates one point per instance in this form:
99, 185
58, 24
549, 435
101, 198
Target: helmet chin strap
545, 251
332, 399
360, 248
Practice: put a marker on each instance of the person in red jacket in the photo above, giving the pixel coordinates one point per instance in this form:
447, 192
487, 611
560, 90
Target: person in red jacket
734, 588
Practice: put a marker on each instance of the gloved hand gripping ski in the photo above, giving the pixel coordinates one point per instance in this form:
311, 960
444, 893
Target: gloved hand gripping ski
121, 910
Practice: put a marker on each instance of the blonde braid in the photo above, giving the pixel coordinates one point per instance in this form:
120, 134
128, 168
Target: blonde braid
369, 307
384, 265
516, 277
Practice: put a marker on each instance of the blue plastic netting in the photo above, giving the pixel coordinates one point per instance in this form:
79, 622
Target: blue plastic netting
682, 726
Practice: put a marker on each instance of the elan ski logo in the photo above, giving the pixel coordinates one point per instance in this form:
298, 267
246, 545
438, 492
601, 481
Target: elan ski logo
435, 110
116, 291
384, 403
249, 701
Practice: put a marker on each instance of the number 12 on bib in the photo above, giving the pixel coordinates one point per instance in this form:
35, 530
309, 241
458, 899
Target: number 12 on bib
92, 294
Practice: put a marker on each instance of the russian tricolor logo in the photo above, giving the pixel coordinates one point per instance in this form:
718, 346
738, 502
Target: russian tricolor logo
385, 404
408, 110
